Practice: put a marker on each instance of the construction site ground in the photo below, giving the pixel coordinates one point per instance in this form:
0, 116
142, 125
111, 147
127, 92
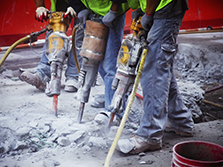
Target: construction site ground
26, 112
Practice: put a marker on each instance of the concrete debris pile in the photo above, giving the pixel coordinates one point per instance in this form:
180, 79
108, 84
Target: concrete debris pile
50, 133
27, 125
201, 60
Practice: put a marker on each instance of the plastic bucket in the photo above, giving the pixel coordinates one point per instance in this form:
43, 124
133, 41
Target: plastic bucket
197, 154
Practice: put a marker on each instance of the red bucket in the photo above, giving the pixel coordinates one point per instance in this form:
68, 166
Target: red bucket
197, 154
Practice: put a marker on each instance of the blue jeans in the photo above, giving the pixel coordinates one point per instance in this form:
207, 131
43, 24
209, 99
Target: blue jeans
107, 67
43, 68
161, 98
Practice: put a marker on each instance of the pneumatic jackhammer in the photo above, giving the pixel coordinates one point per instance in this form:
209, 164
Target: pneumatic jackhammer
127, 64
92, 51
57, 49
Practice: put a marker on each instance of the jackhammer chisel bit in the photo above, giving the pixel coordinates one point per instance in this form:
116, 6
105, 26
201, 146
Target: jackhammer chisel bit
87, 76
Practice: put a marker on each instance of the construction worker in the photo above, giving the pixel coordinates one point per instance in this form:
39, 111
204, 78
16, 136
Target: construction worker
113, 13
42, 73
163, 105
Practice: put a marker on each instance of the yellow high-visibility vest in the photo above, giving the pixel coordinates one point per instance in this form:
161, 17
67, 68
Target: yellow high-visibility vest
162, 4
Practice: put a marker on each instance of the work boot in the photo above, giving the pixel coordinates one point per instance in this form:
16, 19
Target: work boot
169, 129
33, 79
136, 145
71, 84
102, 117
98, 101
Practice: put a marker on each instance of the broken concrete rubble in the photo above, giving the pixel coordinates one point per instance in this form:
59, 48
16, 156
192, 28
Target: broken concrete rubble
31, 134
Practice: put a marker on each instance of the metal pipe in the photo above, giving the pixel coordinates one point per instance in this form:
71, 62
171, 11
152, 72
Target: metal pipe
193, 31
213, 89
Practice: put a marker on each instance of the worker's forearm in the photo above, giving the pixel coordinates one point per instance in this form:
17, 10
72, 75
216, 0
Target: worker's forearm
39, 3
114, 7
151, 6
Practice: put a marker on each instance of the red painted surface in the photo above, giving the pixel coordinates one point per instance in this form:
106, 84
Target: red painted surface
17, 18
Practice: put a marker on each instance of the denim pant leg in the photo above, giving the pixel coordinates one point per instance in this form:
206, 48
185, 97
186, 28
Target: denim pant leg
107, 67
71, 70
179, 116
156, 78
43, 68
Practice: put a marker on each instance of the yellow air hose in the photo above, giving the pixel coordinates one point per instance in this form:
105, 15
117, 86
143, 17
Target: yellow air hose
12, 47
26, 38
128, 108
74, 49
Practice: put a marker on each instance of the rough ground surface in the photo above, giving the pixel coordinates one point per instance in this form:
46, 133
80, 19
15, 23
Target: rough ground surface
30, 134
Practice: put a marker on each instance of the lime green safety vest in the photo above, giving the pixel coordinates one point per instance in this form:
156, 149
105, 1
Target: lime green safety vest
102, 7
133, 4
162, 4
53, 5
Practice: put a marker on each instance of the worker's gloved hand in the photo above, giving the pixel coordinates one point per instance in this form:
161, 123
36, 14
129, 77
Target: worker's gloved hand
82, 15
137, 13
147, 21
70, 13
109, 18
42, 14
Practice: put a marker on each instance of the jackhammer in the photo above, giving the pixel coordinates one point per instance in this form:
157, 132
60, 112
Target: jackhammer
126, 68
127, 65
92, 51
57, 50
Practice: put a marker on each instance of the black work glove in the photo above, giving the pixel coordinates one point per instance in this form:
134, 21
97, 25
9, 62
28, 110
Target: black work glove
147, 21
137, 13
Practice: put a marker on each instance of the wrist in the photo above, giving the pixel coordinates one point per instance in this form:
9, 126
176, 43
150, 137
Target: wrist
114, 12
148, 14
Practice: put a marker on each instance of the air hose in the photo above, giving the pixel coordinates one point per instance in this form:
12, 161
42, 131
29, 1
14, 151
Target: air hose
74, 48
12, 47
26, 38
128, 108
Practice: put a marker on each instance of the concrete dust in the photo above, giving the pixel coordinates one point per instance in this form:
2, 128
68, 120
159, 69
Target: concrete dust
31, 135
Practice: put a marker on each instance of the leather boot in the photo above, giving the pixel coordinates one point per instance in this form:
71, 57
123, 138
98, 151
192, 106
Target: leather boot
33, 79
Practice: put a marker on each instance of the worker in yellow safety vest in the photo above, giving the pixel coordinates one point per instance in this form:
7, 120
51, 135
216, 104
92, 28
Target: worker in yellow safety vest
41, 76
164, 109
